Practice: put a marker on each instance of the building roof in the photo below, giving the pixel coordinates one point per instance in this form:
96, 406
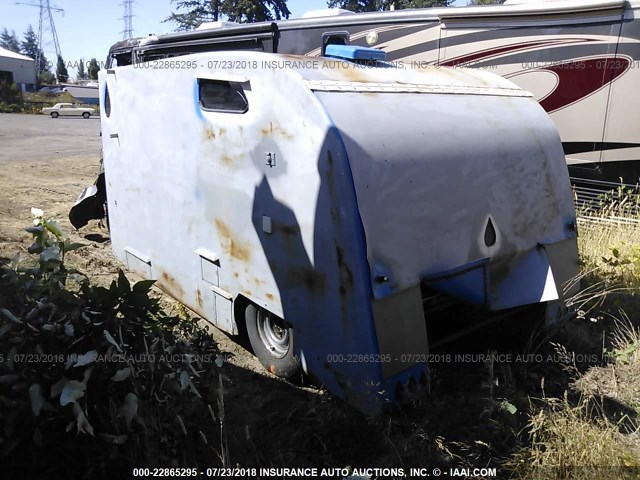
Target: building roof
8, 53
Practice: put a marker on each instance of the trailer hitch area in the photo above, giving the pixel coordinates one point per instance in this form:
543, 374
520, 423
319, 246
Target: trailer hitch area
90, 205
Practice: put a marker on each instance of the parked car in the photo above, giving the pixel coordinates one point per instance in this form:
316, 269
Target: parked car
51, 90
68, 109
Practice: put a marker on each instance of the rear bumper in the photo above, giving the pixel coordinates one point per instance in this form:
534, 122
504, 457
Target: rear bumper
542, 274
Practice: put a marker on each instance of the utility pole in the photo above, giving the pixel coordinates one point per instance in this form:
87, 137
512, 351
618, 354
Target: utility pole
128, 15
45, 23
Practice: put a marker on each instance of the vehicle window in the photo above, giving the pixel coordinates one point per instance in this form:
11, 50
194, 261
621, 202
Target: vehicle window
222, 96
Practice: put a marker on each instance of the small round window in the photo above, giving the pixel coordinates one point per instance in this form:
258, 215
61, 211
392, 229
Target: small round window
107, 101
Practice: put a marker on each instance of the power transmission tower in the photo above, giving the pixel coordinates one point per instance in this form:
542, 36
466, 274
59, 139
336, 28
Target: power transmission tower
45, 25
128, 15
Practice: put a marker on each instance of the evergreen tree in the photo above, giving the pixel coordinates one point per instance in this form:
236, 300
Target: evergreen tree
199, 11
82, 74
61, 70
485, 2
30, 49
46, 78
9, 41
379, 5
93, 69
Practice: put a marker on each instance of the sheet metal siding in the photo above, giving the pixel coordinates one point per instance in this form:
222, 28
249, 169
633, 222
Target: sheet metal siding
623, 113
425, 197
23, 71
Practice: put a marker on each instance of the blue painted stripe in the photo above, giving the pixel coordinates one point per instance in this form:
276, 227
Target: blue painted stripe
196, 99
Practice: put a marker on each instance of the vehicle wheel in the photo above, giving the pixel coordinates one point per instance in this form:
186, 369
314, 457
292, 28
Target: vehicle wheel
86, 115
54, 114
272, 341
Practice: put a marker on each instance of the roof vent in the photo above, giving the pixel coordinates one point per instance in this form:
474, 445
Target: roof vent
326, 12
353, 52
216, 25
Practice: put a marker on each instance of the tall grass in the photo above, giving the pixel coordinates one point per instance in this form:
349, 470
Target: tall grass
592, 432
609, 244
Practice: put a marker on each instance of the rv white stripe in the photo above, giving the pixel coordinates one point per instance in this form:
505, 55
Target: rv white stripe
338, 86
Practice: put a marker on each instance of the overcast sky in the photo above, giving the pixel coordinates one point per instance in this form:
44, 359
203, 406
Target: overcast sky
87, 28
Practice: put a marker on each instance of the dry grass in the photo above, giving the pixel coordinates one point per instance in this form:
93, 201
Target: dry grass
620, 379
609, 242
592, 432
577, 442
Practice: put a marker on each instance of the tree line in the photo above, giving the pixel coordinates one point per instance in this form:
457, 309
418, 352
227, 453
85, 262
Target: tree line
29, 48
195, 12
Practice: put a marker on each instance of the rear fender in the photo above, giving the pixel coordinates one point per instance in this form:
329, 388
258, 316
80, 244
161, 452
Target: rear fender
90, 205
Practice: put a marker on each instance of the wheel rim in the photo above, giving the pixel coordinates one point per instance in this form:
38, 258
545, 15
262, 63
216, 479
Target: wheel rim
273, 334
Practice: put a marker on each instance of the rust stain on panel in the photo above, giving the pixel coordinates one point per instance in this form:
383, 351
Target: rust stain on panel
346, 276
233, 247
209, 134
169, 284
285, 229
311, 278
346, 282
199, 298
355, 75
267, 131
276, 130
269, 296
226, 159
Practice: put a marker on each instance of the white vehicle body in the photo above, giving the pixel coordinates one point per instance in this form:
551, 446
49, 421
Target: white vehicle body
331, 196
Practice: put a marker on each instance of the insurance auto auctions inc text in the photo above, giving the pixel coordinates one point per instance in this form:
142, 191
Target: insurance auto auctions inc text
376, 472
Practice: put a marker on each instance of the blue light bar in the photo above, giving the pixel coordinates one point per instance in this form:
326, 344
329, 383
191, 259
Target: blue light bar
353, 52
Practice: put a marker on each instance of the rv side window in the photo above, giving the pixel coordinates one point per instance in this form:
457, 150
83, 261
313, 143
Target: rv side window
222, 96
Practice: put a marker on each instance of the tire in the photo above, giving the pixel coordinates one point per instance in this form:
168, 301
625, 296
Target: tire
272, 341
54, 114
86, 115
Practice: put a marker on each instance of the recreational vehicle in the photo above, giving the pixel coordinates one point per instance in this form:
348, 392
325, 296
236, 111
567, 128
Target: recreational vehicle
580, 59
312, 200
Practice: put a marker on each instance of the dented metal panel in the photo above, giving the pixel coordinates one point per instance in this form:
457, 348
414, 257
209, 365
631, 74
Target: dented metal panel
427, 195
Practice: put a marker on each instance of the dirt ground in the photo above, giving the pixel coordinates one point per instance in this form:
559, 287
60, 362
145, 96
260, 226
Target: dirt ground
45, 163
